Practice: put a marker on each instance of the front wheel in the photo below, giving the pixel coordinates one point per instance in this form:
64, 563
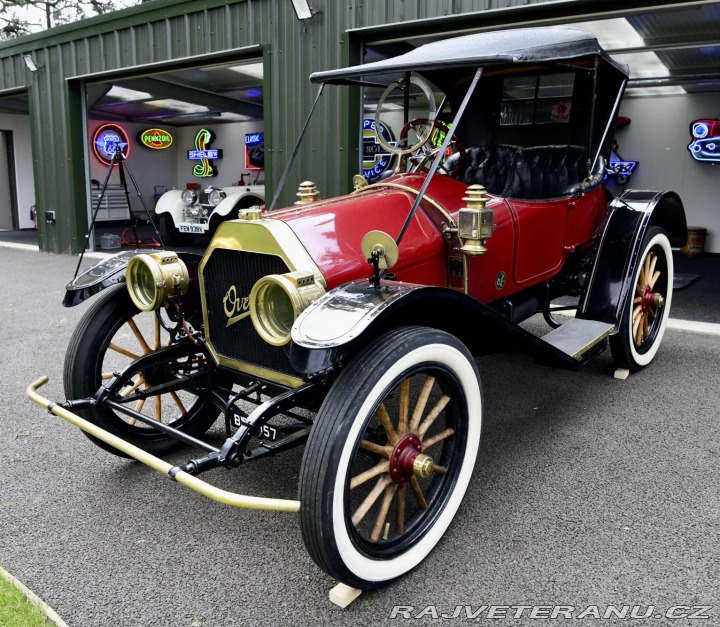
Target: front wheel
169, 232
390, 456
112, 334
648, 307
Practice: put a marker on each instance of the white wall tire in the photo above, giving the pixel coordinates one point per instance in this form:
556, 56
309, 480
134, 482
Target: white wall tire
643, 323
336, 457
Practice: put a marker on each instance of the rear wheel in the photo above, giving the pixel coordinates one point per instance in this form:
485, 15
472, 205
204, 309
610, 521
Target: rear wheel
390, 456
648, 308
111, 334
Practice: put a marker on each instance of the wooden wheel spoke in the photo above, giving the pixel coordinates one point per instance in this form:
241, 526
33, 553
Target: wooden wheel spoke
646, 327
157, 331
382, 514
139, 336
385, 421
178, 402
653, 315
158, 408
383, 451
651, 270
370, 499
654, 279
437, 438
421, 402
404, 407
637, 312
417, 491
432, 416
131, 388
639, 290
107, 375
439, 470
638, 299
400, 509
123, 351
376, 470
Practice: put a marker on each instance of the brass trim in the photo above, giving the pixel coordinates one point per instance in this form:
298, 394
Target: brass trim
266, 236
412, 190
203, 487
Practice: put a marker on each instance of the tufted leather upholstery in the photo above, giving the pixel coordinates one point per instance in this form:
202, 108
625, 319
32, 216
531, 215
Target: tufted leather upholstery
490, 166
548, 172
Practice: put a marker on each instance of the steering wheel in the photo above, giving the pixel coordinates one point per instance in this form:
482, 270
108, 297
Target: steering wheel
424, 154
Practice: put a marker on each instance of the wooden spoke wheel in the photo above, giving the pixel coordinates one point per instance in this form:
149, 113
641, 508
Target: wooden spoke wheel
648, 307
111, 335
390, 456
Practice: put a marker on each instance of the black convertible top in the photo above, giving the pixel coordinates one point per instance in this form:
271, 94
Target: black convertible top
526, 45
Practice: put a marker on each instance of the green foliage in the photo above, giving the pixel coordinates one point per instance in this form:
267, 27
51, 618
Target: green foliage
20, 17
16, 611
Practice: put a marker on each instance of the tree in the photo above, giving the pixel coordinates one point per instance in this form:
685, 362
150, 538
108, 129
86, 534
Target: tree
20, 17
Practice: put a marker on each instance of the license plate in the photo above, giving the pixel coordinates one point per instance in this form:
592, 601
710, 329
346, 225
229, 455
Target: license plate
191, 228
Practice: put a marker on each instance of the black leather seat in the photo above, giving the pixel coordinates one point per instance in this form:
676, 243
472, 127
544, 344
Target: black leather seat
550, 172
490, 166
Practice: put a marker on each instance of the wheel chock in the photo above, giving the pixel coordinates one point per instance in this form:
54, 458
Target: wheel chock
621, 373
343, 595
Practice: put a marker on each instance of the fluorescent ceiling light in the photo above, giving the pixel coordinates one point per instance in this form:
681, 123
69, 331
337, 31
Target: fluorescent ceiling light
618, 34
183, 107
128, 95
670, 90
254, 70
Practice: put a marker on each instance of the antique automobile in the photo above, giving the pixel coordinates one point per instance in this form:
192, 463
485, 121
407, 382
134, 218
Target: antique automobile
350, 325
183, 214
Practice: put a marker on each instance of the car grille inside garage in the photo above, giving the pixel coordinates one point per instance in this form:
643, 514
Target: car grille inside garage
240, 341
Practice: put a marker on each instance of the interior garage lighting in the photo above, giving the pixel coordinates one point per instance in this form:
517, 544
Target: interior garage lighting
253, 70
618, 33
127, 95
178, 105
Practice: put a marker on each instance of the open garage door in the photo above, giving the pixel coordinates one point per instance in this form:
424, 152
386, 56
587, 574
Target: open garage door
17, 193
199, 129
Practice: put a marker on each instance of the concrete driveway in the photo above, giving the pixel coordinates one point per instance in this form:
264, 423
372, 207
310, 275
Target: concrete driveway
589, 491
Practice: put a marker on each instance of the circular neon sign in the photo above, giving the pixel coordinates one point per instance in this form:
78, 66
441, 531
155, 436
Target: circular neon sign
376, 159
107, 139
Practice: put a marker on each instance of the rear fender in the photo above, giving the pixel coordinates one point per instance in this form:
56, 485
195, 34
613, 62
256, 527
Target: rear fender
348, 318
618, 248
239, 200
111, 271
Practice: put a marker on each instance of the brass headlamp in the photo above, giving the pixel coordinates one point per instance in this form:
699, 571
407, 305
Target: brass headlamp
277, 300
153, 280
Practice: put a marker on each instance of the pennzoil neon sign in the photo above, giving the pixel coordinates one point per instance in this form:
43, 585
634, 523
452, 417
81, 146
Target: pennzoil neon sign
206, 168
155, 138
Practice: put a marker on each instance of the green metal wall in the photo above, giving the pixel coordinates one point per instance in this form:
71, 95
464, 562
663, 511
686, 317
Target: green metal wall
174, 33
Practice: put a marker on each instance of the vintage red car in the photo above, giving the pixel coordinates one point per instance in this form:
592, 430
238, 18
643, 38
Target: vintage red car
350, 325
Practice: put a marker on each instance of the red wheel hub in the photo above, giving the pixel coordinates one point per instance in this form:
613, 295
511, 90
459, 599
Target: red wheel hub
648, 299
407, 460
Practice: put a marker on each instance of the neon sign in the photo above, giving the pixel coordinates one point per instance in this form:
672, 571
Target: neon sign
254, 151
155, 138
621, 170
205, 155
376, 159
706, 140
106, 140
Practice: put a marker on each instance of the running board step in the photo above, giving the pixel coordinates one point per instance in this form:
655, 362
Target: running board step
577, 337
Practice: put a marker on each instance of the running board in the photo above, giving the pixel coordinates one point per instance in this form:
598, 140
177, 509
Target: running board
577, 337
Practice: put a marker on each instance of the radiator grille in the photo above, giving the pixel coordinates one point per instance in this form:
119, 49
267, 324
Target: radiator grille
240, 341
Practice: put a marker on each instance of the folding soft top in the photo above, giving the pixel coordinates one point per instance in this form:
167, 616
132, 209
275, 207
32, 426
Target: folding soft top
526, 45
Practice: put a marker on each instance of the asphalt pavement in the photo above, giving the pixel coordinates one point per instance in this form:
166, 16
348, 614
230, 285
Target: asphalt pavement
589, 491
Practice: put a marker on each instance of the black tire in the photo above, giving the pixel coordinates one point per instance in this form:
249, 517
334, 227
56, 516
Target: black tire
169, 233
90, 359
395, 367
636, 343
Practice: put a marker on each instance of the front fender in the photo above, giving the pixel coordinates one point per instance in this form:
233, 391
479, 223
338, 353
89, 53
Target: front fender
232, 201
111, 271
348, 318
170, 202
619, 246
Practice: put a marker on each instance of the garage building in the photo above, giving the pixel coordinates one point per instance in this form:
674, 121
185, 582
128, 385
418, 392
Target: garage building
240, 68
